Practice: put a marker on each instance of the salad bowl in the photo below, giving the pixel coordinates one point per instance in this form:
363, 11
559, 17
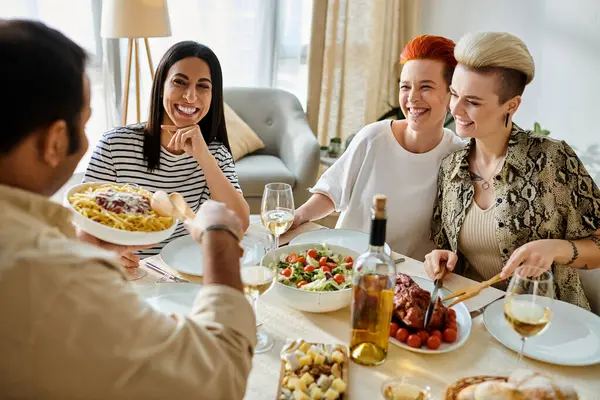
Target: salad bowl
313, 277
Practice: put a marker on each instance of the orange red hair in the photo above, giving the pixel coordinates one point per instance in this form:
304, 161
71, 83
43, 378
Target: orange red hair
430, 47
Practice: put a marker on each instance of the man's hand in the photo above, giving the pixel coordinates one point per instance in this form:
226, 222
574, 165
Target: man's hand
213, 213
126, 256
220, 251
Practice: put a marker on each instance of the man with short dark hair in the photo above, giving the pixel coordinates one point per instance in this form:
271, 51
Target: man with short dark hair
70, 326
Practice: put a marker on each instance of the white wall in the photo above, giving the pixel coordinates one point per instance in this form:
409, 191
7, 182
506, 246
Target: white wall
564, 39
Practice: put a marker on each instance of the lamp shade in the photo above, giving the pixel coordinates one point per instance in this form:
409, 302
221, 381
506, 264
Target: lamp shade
135, 19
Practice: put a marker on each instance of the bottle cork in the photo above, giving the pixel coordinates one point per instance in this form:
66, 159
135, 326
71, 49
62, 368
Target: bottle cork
379, 203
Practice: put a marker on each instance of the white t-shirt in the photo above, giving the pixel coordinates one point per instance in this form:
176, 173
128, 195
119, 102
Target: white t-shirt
375, 163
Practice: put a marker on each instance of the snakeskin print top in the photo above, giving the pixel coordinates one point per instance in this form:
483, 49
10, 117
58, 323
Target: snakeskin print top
543, 191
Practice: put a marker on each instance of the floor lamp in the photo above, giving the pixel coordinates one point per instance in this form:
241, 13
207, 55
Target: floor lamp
134, 20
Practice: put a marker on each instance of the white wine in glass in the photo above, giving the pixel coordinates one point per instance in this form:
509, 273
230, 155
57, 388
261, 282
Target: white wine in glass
277, 221
257, 279
277, 209
528, 304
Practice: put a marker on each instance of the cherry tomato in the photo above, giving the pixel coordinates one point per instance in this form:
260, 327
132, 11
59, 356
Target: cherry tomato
349, 265
325, 268
414, 341
394, 329
301, 283
287, 272
349, 259
312, 253
302, 260
423, 335
322, 261
451, 313
434, 342
449, 336
402, 335
437, 333
292, 258
309, 268
339, 279
331, 265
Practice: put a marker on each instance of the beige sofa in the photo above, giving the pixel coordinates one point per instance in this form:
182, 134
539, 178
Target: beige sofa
291, 153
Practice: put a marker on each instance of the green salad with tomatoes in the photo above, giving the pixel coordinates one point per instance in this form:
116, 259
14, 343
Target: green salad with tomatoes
316, 270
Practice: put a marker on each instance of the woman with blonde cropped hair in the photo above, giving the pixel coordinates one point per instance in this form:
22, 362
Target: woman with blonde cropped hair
511, 197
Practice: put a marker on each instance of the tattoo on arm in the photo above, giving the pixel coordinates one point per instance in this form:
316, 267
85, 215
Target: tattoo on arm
475, 177
575, 253
596, 241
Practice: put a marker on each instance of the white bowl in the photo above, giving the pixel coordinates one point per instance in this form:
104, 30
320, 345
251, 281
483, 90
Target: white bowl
113, 235
306, 300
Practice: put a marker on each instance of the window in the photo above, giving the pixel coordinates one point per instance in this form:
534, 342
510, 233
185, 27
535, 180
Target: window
259, 43
291, 53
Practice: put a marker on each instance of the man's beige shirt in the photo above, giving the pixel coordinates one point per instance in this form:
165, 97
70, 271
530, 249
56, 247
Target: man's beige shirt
71, 327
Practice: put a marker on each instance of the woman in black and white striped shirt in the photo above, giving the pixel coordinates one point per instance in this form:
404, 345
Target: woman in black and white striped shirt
183, 146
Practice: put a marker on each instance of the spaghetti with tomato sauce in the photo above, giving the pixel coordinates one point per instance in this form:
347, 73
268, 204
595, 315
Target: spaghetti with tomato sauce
121, 207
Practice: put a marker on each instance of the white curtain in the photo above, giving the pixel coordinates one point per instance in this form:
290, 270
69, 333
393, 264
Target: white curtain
355, 49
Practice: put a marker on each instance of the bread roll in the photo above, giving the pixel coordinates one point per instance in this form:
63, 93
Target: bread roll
496, 390
467, 393
539, 386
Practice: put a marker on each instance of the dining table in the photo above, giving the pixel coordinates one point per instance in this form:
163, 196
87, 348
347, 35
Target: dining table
481, 354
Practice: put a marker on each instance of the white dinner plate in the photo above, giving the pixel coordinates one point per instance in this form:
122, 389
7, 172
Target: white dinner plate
169, 298
463, 322
572, 338
353, 240
185, 255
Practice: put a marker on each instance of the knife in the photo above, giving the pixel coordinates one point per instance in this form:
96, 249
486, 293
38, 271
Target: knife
434, 295
165, 273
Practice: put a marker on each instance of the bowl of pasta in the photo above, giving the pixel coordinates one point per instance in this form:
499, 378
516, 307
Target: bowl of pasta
118, 213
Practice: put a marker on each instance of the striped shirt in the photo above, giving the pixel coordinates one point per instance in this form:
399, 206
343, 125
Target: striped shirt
119, 158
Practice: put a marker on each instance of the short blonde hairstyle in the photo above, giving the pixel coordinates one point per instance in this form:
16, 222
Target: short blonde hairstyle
501, 53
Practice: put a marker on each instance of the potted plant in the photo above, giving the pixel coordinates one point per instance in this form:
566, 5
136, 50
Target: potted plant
537, 128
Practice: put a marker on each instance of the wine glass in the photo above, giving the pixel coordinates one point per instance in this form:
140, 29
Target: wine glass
406, 387
133, 274
528, 303
257, 279
277, 209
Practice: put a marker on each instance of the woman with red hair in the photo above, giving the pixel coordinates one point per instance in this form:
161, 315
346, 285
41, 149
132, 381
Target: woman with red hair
397, 158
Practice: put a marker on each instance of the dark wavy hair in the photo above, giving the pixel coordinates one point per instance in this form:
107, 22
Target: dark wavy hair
212, 125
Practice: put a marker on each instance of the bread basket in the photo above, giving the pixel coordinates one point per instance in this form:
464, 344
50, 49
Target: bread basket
454, 389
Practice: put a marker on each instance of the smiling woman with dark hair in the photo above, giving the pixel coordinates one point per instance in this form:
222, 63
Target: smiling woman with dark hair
183, 146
